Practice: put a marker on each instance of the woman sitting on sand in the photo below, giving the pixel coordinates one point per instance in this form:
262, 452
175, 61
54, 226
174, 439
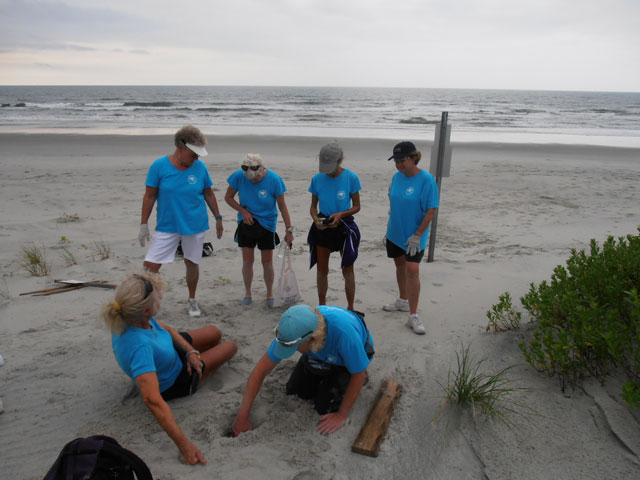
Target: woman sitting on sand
336, 190
259, 191
164, 364
336, 348
413, 195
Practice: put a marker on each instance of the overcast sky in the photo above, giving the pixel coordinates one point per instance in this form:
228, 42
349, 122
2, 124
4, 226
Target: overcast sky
518, 44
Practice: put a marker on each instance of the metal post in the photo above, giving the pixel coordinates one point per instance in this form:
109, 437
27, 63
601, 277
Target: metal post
441, 147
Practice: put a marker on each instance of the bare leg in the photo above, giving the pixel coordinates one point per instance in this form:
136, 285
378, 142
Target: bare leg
349, 285
267, 270
212, 352
413, 285
322, 273
193, 274
152, 267
247, 270
401, 276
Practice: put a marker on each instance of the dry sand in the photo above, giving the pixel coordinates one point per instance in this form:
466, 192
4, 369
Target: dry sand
508, 215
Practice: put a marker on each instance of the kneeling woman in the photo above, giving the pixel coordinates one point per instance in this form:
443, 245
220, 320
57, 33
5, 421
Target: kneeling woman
164, 363
336, 349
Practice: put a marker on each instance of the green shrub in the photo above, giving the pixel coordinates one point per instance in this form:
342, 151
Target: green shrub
587, 317
503, 316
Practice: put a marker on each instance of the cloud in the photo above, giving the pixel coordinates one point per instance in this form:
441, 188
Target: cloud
428, 43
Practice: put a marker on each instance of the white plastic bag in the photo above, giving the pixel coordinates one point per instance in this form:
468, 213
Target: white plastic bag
287, 291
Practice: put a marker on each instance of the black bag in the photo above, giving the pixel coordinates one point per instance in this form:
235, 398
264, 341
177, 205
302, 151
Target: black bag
97, 458
207, 249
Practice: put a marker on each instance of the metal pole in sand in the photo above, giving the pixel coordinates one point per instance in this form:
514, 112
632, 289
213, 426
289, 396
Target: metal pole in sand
442, 140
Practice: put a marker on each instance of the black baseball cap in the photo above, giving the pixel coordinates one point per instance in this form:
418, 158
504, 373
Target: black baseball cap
403, 149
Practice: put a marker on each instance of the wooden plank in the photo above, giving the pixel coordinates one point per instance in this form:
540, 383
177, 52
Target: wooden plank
66, 288
52, 289
375, 427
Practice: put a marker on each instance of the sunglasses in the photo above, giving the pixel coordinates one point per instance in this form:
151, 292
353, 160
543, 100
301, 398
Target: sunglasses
148, 286
292, 342
254, 168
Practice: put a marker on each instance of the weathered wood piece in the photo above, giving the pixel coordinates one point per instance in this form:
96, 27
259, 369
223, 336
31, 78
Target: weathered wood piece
376, 425
68, 285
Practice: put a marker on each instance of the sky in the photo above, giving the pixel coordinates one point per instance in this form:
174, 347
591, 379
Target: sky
498, 44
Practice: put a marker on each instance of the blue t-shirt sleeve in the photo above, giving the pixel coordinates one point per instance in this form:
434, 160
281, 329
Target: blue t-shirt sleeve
153, 176
279, 187
313, 187
430, 194
141, 361
355, 184
234, 180
354, 356
207, 181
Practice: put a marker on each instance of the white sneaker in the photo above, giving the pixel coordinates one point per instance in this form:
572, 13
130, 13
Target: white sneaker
194, 310
398, 306
415, 324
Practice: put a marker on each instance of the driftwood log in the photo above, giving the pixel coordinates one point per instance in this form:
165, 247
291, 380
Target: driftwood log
376, 425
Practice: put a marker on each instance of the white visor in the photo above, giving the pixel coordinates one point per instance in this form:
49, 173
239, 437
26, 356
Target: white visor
200, 151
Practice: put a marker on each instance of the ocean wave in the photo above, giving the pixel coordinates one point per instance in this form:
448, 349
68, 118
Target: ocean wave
418, 121
148, 104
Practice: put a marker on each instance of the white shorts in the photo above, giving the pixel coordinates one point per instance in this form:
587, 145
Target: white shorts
163, 247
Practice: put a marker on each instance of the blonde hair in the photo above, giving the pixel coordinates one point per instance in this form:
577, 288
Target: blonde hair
415, 156
130, 300
189, 134
253, 159
317, 338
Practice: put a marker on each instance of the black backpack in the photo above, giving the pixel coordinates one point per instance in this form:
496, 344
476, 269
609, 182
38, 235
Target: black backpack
97, 458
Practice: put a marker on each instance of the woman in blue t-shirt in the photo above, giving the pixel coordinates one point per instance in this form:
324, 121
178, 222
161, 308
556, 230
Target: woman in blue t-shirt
164, 364
336, 348
260, 190
335, 199
181, 186
413, 196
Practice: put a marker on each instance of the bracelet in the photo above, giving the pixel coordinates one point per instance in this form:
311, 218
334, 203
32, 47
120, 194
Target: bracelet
219, 217
192, 351
290, 229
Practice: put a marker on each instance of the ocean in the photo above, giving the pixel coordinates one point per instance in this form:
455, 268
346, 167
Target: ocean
591, 118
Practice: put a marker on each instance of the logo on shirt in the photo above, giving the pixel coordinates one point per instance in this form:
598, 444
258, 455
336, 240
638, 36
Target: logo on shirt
262, 193
409, 191
332, 359
341, 195
192, 179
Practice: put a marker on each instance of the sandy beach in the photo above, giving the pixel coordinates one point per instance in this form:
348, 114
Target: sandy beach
508, 214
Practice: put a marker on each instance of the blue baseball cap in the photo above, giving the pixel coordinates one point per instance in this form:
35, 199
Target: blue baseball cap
296, 325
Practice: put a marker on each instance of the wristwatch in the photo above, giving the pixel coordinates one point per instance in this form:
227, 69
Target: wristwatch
290, 229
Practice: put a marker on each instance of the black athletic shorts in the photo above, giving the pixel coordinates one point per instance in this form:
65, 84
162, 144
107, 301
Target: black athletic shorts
323, 383
331, 238
185, 384
251, 235
394, 251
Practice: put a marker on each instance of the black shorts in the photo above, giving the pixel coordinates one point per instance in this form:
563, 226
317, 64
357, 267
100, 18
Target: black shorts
251, 235
331, 238
185, 384
324, 384
394, 251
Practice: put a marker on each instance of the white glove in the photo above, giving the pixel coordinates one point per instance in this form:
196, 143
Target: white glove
413, 245
143, 236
